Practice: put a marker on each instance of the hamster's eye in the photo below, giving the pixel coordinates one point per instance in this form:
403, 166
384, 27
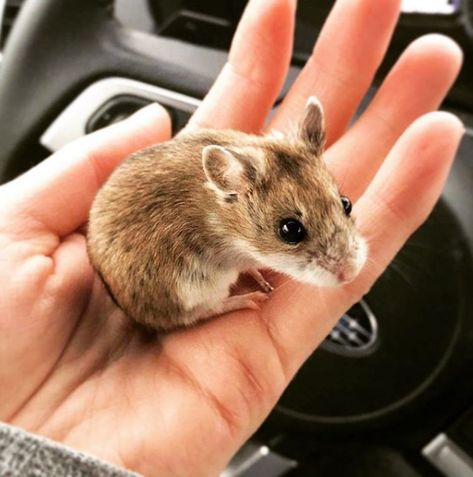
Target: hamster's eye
346, 202
291, 231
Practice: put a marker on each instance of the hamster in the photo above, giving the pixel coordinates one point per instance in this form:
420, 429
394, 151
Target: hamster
176, 223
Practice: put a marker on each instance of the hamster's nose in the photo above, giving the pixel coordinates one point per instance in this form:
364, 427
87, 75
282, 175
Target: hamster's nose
346, 275
348, 272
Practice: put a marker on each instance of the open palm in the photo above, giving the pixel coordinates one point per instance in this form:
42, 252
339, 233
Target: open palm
71, 366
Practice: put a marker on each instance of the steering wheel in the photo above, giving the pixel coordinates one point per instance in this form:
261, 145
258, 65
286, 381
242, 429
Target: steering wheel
398, 361
59, 47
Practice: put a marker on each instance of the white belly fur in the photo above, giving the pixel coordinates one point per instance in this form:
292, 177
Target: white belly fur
207, 294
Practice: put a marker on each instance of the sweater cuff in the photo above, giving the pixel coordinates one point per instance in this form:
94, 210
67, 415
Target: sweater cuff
24, 454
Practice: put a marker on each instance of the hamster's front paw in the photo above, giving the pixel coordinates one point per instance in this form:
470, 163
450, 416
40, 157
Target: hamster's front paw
258, 277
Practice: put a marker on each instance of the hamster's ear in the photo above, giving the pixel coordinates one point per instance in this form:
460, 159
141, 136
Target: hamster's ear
224, 170
312, 126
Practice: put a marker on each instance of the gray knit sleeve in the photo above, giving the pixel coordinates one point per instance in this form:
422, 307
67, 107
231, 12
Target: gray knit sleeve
27, 455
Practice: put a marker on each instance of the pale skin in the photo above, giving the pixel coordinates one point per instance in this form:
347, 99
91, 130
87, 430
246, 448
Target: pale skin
70, 367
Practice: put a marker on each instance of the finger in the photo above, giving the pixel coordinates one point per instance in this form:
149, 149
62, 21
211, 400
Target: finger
57, 194
72, 276
416, 85
399, 199
346, 55
249, 83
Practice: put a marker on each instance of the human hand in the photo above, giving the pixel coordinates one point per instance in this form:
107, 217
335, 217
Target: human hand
72, 369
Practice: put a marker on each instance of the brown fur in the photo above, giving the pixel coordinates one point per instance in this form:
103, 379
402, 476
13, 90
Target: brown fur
156, 223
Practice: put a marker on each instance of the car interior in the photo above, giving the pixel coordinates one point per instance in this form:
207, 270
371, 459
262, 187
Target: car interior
388, 392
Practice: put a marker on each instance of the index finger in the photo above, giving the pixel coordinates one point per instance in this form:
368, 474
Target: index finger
258, 61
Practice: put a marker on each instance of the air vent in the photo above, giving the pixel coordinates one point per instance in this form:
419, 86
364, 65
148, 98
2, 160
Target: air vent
11, 10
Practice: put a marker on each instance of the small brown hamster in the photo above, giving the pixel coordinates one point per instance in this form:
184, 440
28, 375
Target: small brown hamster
175, 224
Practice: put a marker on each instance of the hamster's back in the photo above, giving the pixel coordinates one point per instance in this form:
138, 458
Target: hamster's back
147, 225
